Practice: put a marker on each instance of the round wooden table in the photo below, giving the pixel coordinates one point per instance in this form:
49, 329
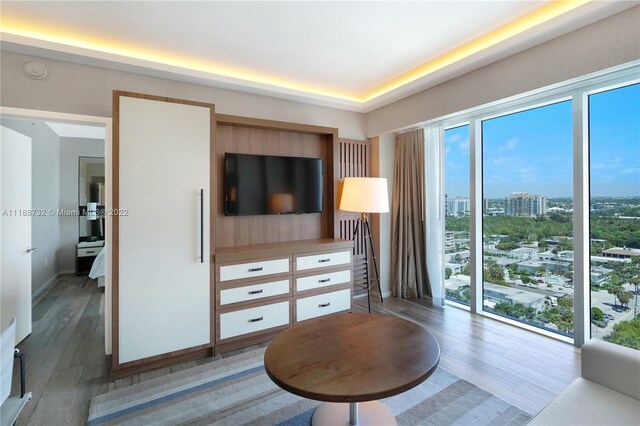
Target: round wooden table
352, 358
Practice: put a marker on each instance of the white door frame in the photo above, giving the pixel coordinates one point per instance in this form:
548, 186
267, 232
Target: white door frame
95, 121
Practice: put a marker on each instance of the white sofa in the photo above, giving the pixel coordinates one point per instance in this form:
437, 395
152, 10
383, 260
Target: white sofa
608, 393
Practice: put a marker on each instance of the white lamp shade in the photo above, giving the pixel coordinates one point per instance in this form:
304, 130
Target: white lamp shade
365, 195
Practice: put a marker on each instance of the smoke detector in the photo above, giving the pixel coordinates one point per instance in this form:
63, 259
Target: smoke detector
35, 70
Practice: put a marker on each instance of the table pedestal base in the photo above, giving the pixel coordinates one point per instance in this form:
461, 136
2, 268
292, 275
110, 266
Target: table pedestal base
363, 413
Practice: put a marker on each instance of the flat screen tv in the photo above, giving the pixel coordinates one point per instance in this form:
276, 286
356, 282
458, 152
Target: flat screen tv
264, 184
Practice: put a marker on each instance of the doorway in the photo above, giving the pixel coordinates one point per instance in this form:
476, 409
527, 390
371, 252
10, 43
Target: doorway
59, 207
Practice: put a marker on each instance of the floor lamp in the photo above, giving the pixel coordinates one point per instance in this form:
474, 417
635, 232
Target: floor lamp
365, 195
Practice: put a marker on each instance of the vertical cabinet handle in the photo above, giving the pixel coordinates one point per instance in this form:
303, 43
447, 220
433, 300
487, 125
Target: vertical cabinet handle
201, 225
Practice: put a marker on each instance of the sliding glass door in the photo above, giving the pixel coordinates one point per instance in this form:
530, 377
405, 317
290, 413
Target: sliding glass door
614, 144
527, 233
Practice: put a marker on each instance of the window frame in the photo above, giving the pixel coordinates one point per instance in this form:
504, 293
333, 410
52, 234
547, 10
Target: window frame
578, 91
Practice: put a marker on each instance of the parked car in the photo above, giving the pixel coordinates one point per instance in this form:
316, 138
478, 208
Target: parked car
619, 308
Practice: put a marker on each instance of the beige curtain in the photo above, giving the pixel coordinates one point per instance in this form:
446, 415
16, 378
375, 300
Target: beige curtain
408, 257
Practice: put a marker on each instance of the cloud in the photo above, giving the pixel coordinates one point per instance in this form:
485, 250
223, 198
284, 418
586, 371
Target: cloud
527, 174
454, 138
464, 145
509, 145
631, 171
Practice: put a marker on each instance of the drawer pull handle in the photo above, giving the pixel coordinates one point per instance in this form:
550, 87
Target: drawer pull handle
324, 260
324, 305
326, 280
256, 269
256, 319
256, 291
90, 251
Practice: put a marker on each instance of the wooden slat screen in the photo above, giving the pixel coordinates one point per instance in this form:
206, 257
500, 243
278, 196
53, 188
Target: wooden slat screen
354, 161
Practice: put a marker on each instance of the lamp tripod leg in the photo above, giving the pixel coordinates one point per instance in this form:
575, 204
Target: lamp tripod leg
366, 258
375, 262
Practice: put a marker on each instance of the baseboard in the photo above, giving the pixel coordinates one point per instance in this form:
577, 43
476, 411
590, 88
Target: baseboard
39, 294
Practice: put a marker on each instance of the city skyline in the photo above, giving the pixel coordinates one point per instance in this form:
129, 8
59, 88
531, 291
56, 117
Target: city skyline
532, 151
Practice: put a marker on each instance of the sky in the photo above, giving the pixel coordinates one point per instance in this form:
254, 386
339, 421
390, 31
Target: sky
531, 151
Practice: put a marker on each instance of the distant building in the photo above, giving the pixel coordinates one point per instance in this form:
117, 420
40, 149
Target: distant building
524, 204
458, 206
449, 240
524, 253
621, 253
486, 203
555, 267
496, 293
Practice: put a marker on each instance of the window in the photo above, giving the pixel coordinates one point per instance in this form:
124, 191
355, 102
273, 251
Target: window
528, 207
614, 145
457, 210
527, 231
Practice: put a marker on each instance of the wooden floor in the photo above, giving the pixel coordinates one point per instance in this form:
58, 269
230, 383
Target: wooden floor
521, 367
66, 365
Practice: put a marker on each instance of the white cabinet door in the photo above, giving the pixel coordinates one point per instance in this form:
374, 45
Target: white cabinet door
163, 290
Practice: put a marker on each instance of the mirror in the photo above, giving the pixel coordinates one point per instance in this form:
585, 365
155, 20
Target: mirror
91, 198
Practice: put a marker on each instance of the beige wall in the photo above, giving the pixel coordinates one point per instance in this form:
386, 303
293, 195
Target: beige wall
604, 44
82, 89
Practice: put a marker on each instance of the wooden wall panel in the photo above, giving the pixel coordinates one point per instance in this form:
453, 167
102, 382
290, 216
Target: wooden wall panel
354, 161
244, 230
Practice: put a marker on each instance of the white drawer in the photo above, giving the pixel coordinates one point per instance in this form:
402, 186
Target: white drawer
250, 320
323, 260
323, 280
253, 269
323, 304
90, 251
253, 292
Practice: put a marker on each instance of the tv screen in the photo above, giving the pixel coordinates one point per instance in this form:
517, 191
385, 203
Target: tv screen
264, 184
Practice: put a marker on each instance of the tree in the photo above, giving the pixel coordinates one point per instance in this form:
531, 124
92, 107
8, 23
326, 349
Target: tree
626, 333
447, 273
615, 290
597, 314
624, 297
507, 245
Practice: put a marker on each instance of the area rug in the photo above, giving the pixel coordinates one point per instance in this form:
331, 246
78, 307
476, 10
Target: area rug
237, 391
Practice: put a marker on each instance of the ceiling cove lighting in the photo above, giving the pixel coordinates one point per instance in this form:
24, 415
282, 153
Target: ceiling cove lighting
78, 41
543, 14
526, 22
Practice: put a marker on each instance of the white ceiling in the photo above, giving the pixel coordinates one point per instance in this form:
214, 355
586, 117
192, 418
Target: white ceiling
334, 53
68, 130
